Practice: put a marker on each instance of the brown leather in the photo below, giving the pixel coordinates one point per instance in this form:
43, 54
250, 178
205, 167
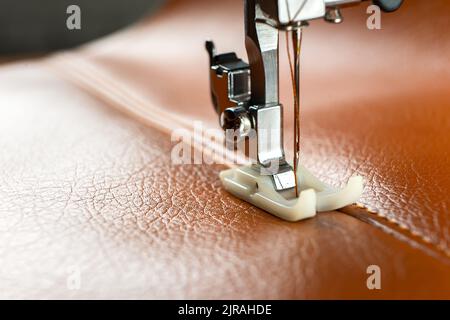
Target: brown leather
84, 185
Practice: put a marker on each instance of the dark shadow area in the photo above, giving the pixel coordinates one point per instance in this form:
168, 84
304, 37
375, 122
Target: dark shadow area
28, 26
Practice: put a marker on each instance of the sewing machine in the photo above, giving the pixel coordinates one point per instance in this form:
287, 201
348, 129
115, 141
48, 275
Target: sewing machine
246, 98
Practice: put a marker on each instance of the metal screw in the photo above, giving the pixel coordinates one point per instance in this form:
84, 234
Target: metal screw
236, 119
333, 15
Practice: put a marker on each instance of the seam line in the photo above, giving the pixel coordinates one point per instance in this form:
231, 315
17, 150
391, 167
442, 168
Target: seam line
73, 66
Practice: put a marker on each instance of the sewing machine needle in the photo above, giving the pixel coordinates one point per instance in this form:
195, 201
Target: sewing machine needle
296, 40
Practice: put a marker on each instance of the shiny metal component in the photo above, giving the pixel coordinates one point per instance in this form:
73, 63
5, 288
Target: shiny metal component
299, 10
285, 178
229, 79
263, 20
246, 96
333, 15
236, 118
261, 43
268, 123
287, 14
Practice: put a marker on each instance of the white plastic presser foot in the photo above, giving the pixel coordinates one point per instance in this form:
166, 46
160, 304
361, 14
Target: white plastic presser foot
246, 99
315, 196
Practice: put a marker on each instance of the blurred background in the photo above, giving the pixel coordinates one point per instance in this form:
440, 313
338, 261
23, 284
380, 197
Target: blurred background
28, 26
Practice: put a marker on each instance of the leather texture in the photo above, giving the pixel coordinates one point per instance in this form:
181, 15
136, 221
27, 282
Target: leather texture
87, 182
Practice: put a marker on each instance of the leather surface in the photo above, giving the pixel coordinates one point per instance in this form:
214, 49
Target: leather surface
84, 185
384, 93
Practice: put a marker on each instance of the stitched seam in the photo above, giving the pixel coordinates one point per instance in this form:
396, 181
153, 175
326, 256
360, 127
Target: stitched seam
64, 60
403, 227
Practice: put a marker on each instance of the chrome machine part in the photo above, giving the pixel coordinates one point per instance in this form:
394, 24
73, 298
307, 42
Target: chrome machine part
246, 96
333, 15
229, 79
